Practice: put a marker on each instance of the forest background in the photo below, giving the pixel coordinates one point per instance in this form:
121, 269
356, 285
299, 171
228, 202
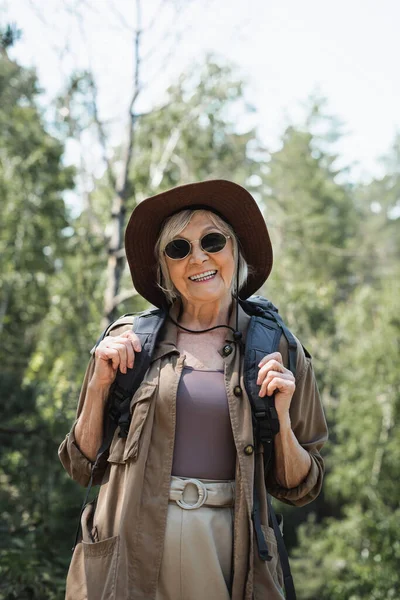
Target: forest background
63, 277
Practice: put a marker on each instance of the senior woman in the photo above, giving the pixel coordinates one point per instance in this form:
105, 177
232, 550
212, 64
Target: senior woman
173, 519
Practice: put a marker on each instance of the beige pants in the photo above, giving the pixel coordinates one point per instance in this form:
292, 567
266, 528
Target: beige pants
197, 557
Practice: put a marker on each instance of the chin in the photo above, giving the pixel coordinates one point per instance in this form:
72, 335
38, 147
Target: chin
209, 296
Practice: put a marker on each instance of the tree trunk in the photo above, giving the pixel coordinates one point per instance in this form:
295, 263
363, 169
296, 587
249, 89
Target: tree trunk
116, 253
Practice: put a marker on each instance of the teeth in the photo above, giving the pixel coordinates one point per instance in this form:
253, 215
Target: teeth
203, 276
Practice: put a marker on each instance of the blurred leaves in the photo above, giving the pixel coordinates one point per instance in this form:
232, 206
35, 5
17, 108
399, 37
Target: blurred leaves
335, 281
9, 35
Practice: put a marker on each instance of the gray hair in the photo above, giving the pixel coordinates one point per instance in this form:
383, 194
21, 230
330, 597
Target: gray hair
171, 228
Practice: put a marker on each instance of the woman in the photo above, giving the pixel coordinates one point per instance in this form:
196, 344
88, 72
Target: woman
173, 518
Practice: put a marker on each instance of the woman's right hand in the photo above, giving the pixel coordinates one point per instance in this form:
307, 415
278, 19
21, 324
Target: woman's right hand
114, 353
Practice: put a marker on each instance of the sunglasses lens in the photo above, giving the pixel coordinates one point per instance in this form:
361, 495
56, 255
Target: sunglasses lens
213, 242
177, 249
180, 248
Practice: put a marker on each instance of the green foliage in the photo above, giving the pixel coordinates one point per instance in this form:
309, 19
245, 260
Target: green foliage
52, 295
357, 556
32, 180
367, 414
335, 282
353, 558
8, 36
33, 212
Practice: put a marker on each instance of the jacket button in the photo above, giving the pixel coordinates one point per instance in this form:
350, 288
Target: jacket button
249, 449
227, 350
237, 390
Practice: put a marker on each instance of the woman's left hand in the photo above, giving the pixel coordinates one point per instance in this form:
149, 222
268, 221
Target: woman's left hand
274, 377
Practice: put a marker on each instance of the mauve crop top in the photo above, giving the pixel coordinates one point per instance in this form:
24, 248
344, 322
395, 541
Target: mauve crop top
204, 444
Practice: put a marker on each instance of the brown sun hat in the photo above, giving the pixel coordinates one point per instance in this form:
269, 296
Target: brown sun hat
230, 200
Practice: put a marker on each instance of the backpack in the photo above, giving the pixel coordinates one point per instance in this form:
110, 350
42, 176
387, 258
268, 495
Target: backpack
263, 336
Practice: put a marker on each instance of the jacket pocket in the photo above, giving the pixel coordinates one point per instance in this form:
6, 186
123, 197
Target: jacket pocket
274, 565
122, 449
264, 571
101, 560
76, 579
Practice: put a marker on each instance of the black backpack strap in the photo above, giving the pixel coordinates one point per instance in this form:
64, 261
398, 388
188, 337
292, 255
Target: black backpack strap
147, 326
262, 546
256, 305
262, 338
283, 555
259, 306
291, 340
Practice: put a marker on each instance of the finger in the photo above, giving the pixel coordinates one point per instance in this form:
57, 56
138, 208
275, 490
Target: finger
130, 351
134, 340
123, 354
273, 375
120, 347
267, 380
108, 354
274, 356
127, 339
130, 354
133, 345
281, 385
270, 365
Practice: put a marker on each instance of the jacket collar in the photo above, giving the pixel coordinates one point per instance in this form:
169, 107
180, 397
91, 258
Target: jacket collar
167, 343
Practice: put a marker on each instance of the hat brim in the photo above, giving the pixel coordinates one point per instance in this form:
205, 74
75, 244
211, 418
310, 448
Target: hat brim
235, 205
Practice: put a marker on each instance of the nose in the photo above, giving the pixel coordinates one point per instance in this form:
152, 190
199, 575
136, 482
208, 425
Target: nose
197, 255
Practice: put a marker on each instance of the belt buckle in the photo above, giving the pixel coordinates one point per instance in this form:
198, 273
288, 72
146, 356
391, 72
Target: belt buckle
201, 490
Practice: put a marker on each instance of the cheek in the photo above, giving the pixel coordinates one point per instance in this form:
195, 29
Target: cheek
176, 271
228, 270
229, 275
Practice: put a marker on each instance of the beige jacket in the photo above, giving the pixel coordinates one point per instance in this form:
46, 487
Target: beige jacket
120, 555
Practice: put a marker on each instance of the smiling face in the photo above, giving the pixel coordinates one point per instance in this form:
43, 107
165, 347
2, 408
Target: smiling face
217, 284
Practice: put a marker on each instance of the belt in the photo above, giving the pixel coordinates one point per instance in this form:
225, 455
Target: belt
191, 494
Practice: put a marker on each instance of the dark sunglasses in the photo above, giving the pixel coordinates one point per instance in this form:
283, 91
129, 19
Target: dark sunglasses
210, 243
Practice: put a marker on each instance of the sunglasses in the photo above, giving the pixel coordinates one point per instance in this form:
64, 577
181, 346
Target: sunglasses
210, 243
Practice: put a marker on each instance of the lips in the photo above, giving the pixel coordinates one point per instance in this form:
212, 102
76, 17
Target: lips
205, 276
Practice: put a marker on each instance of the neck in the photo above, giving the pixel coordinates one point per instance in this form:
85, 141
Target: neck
198, 316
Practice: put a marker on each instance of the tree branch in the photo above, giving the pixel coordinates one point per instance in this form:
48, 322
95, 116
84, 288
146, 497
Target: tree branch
158, 172
124, 295
173, 35
156, 15
94, 224
116, 261
123, 182
124, 23
387, 424
102, 135
152, 111
182, 166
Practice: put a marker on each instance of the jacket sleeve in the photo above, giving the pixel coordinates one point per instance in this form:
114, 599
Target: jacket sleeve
77, 465
310, 428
